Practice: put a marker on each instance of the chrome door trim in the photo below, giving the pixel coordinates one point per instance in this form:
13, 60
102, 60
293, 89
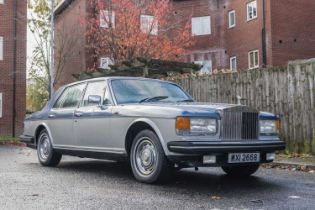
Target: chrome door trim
91, 149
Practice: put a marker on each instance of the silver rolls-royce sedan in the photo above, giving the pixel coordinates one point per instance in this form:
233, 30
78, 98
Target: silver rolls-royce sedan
153, 124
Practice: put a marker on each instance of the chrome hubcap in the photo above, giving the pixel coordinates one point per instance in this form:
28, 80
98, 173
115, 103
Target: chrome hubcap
44, 147
146, 158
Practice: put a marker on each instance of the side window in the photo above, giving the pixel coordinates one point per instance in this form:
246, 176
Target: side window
70, 97
93, 89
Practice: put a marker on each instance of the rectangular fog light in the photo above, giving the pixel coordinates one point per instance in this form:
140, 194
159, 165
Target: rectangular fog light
270, 156
208, 159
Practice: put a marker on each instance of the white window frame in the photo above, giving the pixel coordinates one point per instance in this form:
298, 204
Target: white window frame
1, 105
1, 1
231, 64
148, 24
107, 62
199, 26
249, 6
255, 65
230, 20
1, 48
104, 19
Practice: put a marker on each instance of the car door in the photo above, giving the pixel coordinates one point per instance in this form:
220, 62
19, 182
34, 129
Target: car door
60, 117
92, 118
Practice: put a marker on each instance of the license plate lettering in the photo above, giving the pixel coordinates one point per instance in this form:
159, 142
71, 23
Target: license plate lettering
244, 157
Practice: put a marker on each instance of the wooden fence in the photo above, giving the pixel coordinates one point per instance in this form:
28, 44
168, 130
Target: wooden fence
288, 92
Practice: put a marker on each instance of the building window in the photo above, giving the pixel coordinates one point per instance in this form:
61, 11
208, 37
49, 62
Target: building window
1, 1
148, 25
232, 19
107, 19
1, 102
253, 59
1, 47
206, 66
105, 62
251, 10
201, 25
233, 64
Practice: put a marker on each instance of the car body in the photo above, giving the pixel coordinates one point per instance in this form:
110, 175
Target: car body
103, 117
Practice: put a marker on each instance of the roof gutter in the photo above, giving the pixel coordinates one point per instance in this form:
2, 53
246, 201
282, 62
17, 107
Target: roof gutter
61, 6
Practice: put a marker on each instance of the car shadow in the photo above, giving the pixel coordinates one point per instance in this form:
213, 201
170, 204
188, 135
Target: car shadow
217, 181
211, 181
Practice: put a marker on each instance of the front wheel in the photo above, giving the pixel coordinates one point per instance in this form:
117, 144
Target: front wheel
148, 161
240, 171
45, 152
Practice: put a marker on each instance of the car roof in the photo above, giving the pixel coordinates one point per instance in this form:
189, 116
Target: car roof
113, 78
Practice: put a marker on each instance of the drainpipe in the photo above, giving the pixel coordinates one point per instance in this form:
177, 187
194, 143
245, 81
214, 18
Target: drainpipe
263, 36
14, 68
51, 66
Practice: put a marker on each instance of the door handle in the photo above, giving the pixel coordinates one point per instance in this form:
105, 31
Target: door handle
78, 114
51, 116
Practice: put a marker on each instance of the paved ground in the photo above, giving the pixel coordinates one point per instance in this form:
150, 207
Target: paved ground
90, 184
307, 163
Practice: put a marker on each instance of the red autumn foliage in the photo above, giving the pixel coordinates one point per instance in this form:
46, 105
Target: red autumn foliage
125, 38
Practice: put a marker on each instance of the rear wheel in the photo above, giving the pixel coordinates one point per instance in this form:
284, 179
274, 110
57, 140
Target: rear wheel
148, 161
45, 152
240, 171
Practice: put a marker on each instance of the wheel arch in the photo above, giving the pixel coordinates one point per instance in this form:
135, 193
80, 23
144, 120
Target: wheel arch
39, 129
138, 125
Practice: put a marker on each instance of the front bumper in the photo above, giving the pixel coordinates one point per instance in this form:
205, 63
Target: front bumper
191, 153
208, 147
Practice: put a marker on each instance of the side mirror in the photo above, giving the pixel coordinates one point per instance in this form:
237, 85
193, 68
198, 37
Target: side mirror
94, 100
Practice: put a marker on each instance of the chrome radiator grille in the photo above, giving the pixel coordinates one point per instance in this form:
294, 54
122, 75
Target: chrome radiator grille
239, 125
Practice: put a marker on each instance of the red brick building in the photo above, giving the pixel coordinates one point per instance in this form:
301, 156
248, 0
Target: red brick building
13, 21
229, 34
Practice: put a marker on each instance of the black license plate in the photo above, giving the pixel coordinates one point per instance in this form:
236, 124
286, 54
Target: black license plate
244, 157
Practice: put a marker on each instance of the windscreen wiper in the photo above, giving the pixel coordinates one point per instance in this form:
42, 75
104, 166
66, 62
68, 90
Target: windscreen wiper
155, 98
186, 100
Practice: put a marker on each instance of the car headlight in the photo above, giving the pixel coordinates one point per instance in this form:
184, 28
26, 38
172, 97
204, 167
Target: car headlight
269, 126
196, 126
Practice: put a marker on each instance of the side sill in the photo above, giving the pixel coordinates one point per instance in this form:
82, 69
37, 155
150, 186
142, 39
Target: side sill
103, 155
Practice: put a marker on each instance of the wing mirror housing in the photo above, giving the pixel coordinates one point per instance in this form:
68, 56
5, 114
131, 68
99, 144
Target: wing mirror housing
94, 100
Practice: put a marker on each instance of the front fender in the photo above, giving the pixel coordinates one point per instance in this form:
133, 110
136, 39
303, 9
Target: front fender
155, 128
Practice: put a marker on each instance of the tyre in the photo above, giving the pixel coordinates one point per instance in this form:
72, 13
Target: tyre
240, 171
148, 161
45, 152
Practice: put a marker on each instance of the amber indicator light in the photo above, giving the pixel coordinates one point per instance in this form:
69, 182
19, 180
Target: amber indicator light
182, 123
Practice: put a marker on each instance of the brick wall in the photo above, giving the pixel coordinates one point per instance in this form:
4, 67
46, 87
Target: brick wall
70, 24
210, 46
293, 30
6, 66
246, 35
291, 21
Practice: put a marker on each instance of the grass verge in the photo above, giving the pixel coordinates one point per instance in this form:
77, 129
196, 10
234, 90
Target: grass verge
10, 140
